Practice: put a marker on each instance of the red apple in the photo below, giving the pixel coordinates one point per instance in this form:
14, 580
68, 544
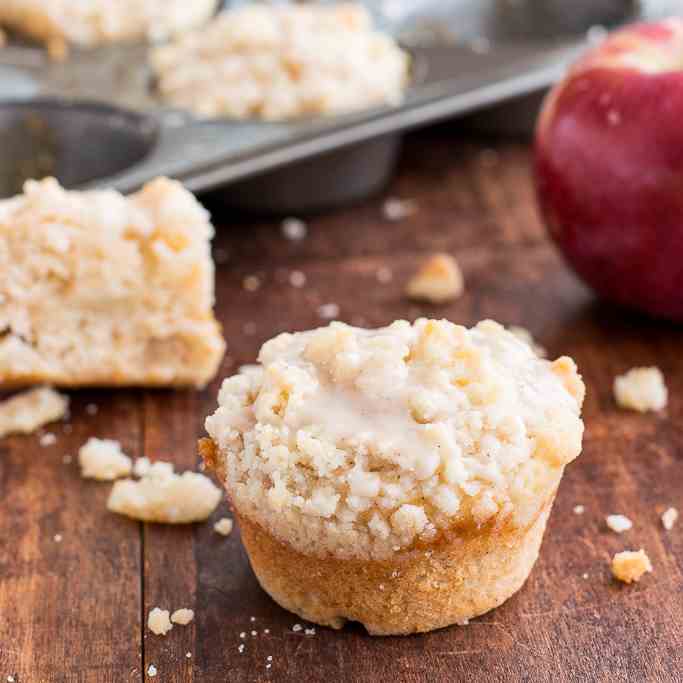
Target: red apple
609, 167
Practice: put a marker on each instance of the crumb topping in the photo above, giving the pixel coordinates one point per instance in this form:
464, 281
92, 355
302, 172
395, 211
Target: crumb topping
361, 442
641, 389
630, 565
282, 62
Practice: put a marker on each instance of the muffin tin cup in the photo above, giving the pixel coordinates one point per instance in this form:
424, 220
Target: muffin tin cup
102, 124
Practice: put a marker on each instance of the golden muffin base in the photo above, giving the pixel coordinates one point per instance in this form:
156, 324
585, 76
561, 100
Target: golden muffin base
416, 591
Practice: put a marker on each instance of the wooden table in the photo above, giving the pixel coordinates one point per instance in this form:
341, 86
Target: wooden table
75, 609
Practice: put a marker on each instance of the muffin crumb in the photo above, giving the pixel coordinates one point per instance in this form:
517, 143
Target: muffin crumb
158, 621
30, 410
223, 526
166, 497
618, 523
47, 439
579, 509
669, 518
438, 281
182, 616
630, 565
641, 389
294, 229
395, 209
103, 459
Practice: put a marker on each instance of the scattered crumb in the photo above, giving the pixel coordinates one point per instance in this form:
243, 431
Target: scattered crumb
10, 679
384, 275
269, 658
579, 509
221, 256
641, 389
30, 410
66, 459
188, 655
585, 576
182, 616
251, 283
381, 586
243, 635
328, 311
151, 671
297, 627
669, 518
103, 459
629, 565
254, 634
240, 648
58, 538
395, 209
47, 439
309, 631
439, 280
618, 523
223, 526
158, 621
297, 279
294, 229
266, 631
92, 409
525, 336
268, 665
166, 497
252, 619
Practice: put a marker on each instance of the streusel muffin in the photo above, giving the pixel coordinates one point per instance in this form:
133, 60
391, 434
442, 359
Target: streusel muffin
399, 477
88, 23
101, 289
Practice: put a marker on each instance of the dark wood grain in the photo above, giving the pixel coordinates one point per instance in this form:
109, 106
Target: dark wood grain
76, 610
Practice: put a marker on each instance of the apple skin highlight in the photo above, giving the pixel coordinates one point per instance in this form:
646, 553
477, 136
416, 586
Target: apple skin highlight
609, 168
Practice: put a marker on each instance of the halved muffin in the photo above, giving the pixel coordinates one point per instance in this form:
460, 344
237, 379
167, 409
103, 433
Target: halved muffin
101, 289
399, 477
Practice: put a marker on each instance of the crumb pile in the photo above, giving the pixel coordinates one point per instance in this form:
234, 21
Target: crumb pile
98, 288
358, 443
281, 62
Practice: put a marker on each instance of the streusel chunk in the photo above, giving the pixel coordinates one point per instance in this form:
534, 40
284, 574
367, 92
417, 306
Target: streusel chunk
630, 565
438, 281
104, 460
641, 389
30, 410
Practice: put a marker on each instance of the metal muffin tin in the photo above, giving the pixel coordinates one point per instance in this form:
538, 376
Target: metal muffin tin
95, 121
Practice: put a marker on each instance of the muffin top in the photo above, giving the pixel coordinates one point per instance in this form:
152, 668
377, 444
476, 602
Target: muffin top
281, 62
361, 443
